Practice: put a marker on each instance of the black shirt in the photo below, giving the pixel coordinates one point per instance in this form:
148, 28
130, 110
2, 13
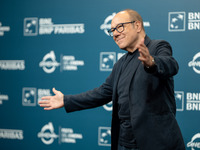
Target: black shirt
126, 137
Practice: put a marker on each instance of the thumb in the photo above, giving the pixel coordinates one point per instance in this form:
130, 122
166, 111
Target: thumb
55, 91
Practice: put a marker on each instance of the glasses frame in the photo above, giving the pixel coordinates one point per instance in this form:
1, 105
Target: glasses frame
110, 31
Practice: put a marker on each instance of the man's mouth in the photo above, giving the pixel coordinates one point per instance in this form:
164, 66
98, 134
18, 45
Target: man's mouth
119, 39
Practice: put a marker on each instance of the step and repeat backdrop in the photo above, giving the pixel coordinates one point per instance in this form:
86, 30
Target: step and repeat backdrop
64, 44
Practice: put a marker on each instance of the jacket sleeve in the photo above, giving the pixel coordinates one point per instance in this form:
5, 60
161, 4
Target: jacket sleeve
166, 66
91, 99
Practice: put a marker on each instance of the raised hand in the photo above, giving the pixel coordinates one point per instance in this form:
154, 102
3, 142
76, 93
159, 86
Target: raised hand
52, 102
145, 56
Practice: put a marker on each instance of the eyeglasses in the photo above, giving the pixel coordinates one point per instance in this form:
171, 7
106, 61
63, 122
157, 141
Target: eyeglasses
119, 28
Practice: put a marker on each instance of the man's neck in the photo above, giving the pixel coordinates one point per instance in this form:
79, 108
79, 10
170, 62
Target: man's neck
141, 36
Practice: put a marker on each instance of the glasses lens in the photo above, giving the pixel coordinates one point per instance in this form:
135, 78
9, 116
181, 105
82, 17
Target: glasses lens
120, 28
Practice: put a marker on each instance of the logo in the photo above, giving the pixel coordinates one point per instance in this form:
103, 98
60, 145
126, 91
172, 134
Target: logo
12, 64
29, 97
195, 63
108, 106
47, 134
66, 135
3, 97
45, 26
195, 142
68, 63
11, 134
107, 23
108, 59
194, 21
3, 29
176, 21
104, 136
30, 26
179, 97
193, 101
49, 62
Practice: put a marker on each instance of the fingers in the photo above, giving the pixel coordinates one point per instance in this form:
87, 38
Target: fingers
145, 56
48, 108
45, 105
52, 102
46, 97
142, 48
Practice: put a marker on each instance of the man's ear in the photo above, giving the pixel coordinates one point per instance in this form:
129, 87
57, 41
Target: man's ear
138, 26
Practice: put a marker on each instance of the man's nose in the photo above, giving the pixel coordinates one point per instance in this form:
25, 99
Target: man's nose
115, 33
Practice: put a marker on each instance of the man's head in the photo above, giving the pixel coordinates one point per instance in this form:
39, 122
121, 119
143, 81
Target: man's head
127, 28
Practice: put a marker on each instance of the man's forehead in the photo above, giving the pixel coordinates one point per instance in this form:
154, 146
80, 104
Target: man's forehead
120, 18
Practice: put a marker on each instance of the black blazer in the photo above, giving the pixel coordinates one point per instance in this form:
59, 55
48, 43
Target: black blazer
151, 100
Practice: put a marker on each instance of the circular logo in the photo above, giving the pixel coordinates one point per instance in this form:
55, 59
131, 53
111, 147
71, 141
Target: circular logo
194, 143
107, 23
108, 106
195, 64
49, 62
47, 134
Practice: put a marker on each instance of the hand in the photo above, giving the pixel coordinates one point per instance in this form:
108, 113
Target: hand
145, 56
52, 102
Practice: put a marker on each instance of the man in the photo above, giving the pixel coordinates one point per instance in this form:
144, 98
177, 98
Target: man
141, 87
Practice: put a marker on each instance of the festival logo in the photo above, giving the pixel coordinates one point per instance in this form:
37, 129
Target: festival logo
67, 63
107, 23
47, 134
104, 136
195, 142
49, 62
195, 63
66, 135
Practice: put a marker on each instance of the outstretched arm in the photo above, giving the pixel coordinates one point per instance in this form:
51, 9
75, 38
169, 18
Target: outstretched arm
52, 102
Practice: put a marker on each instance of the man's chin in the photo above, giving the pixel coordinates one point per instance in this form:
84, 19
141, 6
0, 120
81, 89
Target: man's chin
122, 47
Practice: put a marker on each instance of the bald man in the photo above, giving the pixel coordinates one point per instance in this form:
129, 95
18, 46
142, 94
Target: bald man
141, 87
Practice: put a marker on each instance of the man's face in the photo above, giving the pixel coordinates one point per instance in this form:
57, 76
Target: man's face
127, 39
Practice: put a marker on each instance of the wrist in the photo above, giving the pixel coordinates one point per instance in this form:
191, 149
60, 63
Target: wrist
152, 63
